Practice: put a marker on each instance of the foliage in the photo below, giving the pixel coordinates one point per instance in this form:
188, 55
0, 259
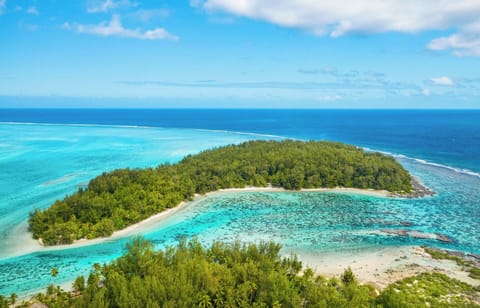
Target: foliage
79, 284
429, 290
54, 272
222, 275
8, 302
115, 200
4, 302
443, 255
474, 273
54, 297
241, 275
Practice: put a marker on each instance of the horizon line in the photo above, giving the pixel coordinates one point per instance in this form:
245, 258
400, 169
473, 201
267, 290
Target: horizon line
240, 108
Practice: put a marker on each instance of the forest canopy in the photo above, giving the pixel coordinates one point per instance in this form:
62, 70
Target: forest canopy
115, 200
240, 275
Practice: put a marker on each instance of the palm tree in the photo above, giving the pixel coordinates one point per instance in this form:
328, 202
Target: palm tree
13, 298
251, 287
204, 301
96, 267
54, 272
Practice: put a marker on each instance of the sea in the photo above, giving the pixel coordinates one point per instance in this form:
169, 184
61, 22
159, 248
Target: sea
46, 154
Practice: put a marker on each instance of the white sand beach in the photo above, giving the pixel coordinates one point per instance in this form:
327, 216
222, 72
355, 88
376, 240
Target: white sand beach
383, 266
29, 245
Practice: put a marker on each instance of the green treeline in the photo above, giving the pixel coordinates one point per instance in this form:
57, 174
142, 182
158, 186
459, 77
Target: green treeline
240, 275
115, 200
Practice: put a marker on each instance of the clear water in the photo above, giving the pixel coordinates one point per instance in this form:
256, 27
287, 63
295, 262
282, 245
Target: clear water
41, 163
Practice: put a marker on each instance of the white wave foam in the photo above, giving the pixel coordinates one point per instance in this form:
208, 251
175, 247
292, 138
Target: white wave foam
240, 133
426, 162
463, 171
76, 124
396, 155
142, 126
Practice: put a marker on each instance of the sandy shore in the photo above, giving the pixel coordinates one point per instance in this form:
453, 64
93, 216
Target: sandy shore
147, 224
158, 218
141, 226
29, 246
357, 191
383, 266
144, 225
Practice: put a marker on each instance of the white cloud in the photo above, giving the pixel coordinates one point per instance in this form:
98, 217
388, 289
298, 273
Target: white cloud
102, 6
115, 28
342, 17
442, 81
362, 16
33, 11
426, 92
462, 44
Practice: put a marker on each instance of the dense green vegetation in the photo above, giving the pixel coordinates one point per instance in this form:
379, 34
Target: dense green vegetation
237, 275
121, 198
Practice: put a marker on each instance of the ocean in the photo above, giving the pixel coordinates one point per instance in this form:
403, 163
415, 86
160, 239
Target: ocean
46, 154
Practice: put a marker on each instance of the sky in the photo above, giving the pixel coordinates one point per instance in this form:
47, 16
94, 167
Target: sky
240, 54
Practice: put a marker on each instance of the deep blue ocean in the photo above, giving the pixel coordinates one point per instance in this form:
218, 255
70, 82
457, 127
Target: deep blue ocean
46, 154
450, 137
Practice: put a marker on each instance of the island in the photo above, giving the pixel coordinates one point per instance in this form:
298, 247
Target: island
121, 198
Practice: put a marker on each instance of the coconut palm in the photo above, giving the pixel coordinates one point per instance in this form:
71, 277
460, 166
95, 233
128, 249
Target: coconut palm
13, 298
54, 272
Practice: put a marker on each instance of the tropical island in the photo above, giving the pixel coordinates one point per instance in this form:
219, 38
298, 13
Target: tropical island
121, 198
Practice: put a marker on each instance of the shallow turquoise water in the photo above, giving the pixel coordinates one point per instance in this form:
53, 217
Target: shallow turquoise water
42, 163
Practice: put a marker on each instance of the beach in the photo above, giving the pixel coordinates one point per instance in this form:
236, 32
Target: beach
156, 219
29, 245
382, 266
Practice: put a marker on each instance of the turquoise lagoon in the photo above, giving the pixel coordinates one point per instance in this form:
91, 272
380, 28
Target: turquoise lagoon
41, 163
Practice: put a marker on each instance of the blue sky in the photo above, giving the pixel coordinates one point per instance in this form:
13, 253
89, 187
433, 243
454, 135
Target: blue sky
240, 53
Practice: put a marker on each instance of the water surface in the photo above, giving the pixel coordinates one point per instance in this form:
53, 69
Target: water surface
41, 163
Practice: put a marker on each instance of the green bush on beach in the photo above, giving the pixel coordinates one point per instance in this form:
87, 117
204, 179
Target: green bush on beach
241, 275
120, 198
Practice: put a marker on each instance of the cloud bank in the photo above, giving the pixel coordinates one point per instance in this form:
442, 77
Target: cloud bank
342, 17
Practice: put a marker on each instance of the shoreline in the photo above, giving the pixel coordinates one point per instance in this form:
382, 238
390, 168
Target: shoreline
158, 218
383, 266
30, 245
142, 226
145, 224
138, 227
